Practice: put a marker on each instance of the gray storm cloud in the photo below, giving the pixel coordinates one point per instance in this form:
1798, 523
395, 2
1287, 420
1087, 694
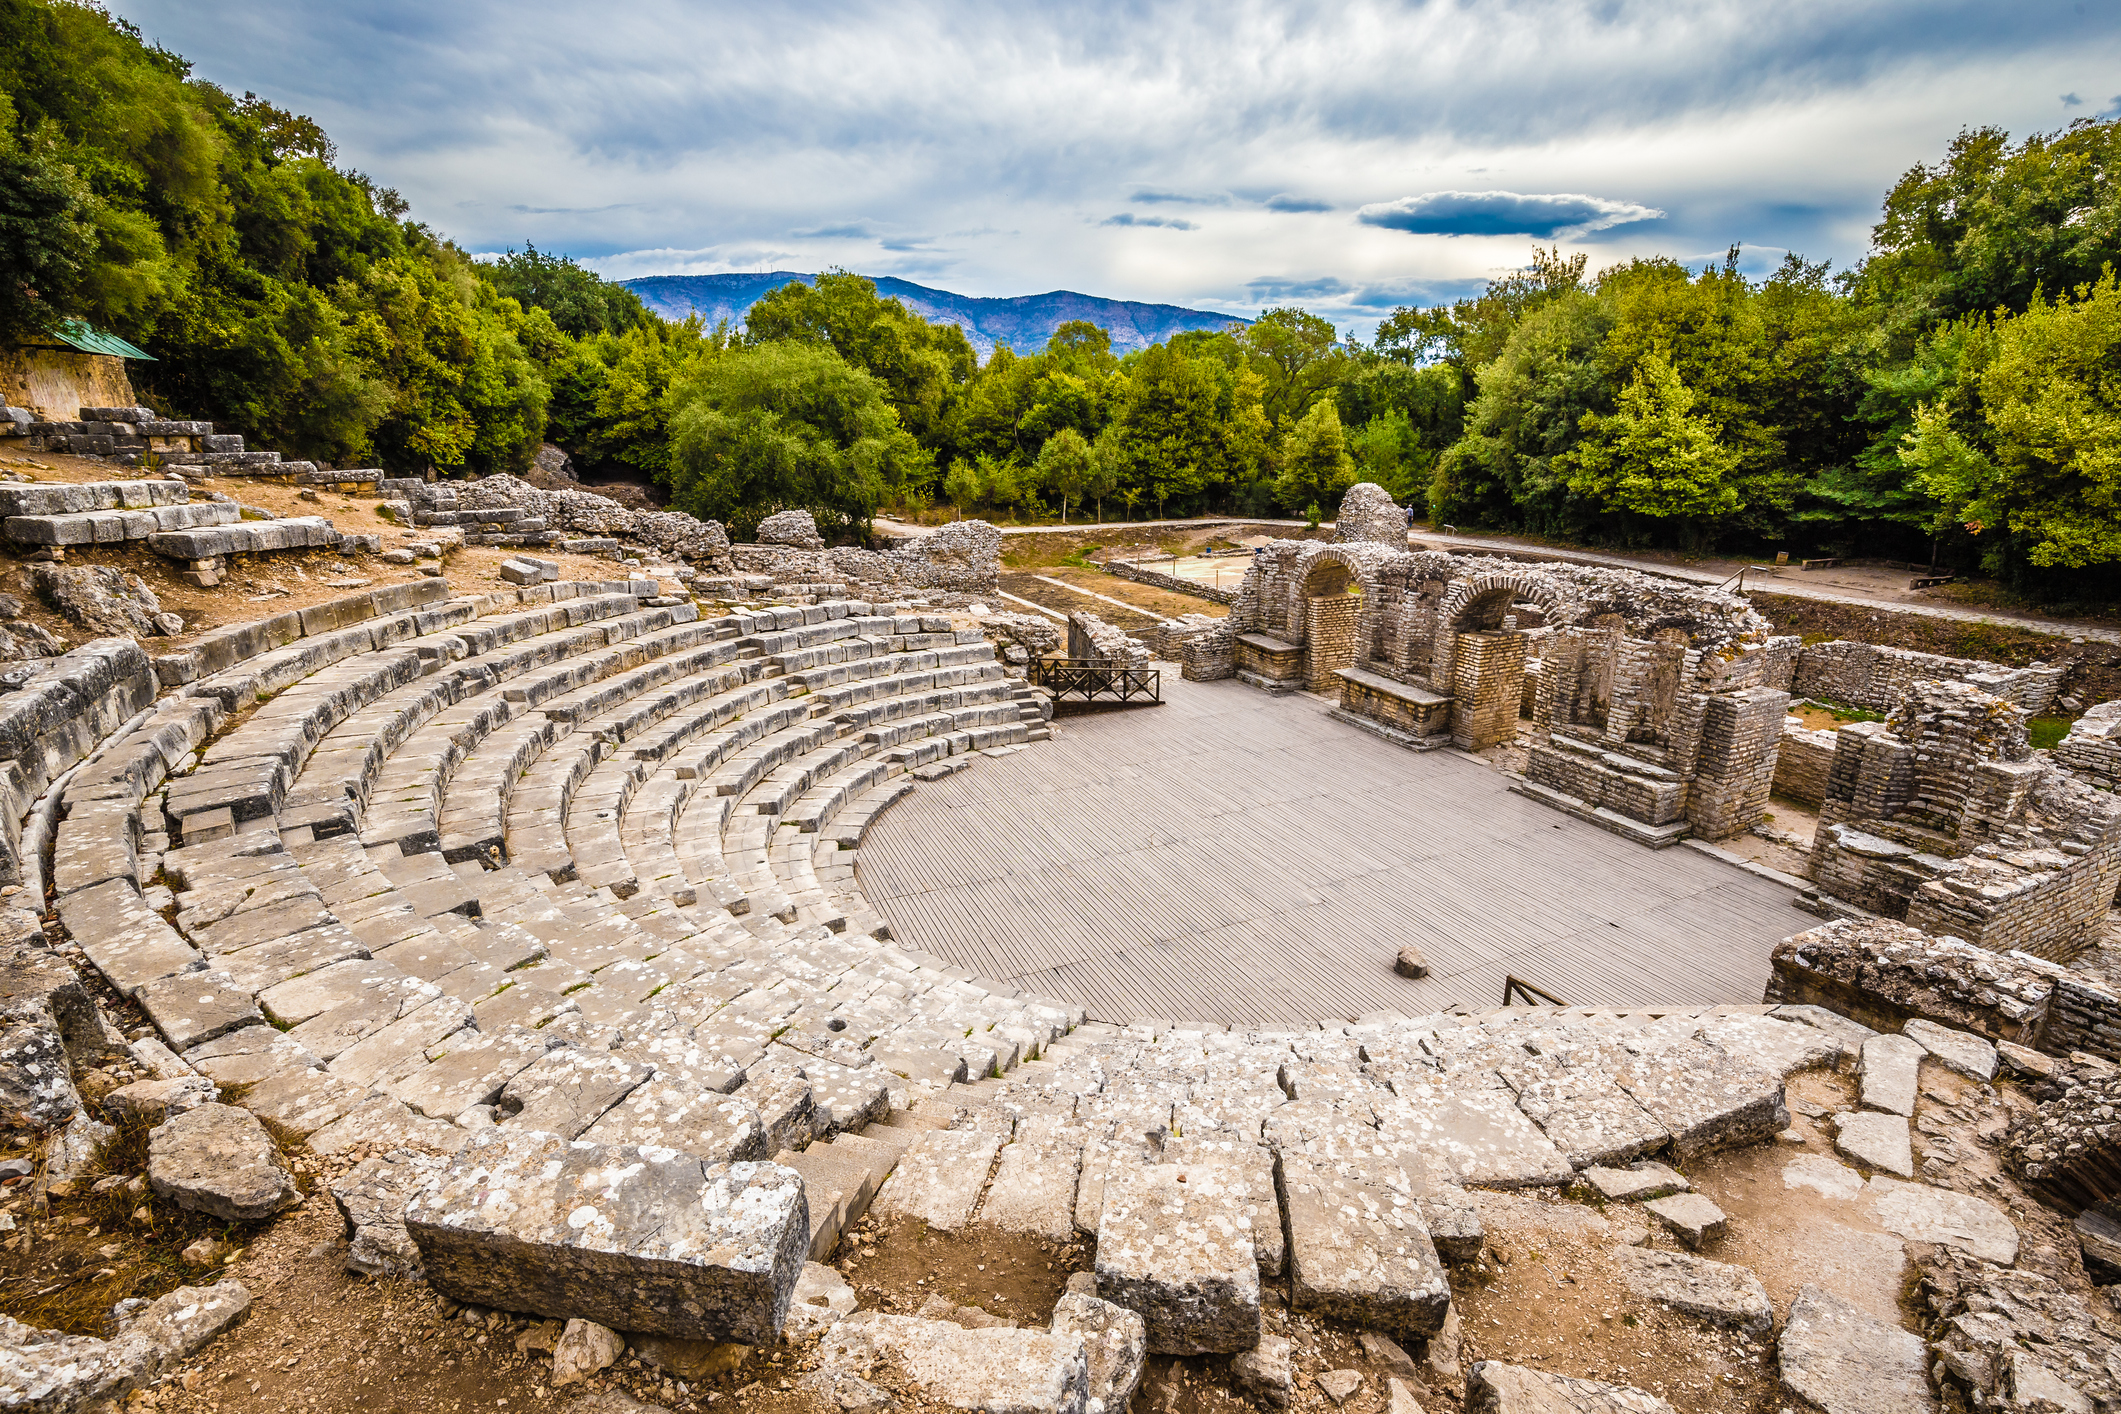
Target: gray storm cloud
1547, 216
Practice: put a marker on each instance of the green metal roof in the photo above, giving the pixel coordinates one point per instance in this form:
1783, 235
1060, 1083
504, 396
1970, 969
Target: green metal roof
78, 333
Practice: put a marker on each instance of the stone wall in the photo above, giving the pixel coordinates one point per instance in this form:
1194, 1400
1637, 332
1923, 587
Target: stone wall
1146, 574
1876, 677
1735, 765
1092, 639
1944, 815
1803, 762
2093, 747
1884, 974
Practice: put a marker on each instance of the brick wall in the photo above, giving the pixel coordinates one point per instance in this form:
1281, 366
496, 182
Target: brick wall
1488, 687
1330, 624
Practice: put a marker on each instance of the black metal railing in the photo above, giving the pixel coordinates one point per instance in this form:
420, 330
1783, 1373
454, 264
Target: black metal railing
1518, 992
1090, 678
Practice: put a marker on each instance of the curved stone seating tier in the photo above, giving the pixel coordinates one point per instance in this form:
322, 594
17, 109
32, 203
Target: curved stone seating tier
550, 862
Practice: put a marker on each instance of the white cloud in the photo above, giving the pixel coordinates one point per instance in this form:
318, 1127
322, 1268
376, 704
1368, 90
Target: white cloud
668, 137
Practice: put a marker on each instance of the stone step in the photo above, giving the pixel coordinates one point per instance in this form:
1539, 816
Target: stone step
112, 527
250, 538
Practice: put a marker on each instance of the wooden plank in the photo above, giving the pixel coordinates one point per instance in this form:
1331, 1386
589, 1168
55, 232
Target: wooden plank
1237, 858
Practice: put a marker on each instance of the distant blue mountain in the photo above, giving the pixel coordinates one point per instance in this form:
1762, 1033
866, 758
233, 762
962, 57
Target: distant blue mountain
1023, 323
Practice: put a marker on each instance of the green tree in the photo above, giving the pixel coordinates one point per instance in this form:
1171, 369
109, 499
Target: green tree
1066, 467
1654, 456
2025, 447
921, 365
1298, 358
1315, 465
579, 301
1992, 224
785, 425
47, 240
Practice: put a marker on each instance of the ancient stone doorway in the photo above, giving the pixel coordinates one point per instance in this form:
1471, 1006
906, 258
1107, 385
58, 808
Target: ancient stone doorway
1332, 622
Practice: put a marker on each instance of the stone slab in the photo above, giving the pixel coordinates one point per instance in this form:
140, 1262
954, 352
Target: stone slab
637, 1239
1493, 1387
1887, 1073
1877, 1140
219, 1160
1480, 1136
1717, 1292
998, 1369
1359, 1251
1970, 1055
567, 1090
1920, 1213
940, 1178
198, 1006
1637, 1183
1692, 1218
1841, 1360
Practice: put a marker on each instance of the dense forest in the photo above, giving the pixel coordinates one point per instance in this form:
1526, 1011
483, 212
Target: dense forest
1957, 394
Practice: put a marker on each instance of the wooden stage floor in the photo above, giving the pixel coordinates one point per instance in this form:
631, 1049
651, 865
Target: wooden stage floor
1241, 858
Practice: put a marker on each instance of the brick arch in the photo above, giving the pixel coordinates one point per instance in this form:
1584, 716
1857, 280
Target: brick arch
1360, 561
1465, 595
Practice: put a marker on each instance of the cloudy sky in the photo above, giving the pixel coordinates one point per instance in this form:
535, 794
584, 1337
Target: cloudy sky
1346, 156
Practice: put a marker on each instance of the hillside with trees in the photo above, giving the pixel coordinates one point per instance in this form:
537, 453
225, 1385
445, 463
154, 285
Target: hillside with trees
1957, 393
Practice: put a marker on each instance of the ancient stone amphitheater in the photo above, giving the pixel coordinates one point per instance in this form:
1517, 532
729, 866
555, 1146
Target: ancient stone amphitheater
531, 920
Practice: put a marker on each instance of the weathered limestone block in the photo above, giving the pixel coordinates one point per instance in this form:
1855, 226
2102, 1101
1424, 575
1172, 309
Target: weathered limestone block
1115, 1344
822, 1297
1718, 1292
218, 1159
1959, 1221
1246, 1172
638, 1239
1707, 1098
1495, 1388
1845, 1361
151, 1102
1480, 1136
1692, 1218
36, 1077
372, 1199
997, 1370
32, 972
939, 1179
564, 1091
1267, 1370
1880, 1141
1175, 1246
55, 1373
678, 1114
1359, 1251
584, 1348
1034, 1185
1584, 1110
1635, 1184
198, 1006
474, 1071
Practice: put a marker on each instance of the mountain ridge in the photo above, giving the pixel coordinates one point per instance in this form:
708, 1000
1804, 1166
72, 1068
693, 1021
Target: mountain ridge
1023, 322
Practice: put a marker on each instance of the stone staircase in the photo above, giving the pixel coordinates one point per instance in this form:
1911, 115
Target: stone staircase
131, 436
